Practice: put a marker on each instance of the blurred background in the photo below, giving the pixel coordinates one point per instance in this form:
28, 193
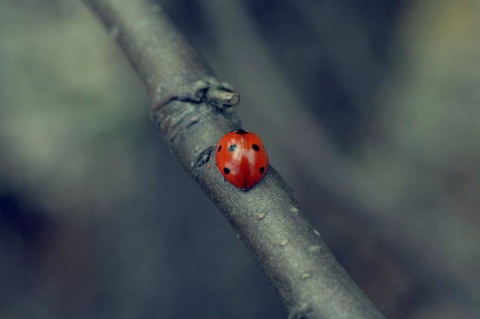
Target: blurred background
369, 109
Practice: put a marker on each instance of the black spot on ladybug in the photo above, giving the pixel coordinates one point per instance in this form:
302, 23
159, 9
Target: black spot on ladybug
232, 148
241, 132
262, 170
255, 147
226, 170
219, 148
245, 184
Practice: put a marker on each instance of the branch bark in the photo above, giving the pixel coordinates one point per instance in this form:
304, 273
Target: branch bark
193, 110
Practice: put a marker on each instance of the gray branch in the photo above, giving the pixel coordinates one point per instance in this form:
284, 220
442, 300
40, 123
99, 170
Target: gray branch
193, 110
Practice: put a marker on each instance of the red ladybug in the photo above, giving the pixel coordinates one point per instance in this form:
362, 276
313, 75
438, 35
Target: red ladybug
241, 158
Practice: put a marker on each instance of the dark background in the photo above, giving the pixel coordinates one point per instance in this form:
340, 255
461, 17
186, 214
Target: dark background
369, 109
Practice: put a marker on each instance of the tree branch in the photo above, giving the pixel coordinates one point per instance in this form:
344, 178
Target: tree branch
192, 110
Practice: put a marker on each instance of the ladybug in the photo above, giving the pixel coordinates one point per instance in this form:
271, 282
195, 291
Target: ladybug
241, 158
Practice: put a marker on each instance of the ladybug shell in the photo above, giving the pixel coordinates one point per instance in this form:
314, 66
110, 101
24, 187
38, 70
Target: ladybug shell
241, 158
